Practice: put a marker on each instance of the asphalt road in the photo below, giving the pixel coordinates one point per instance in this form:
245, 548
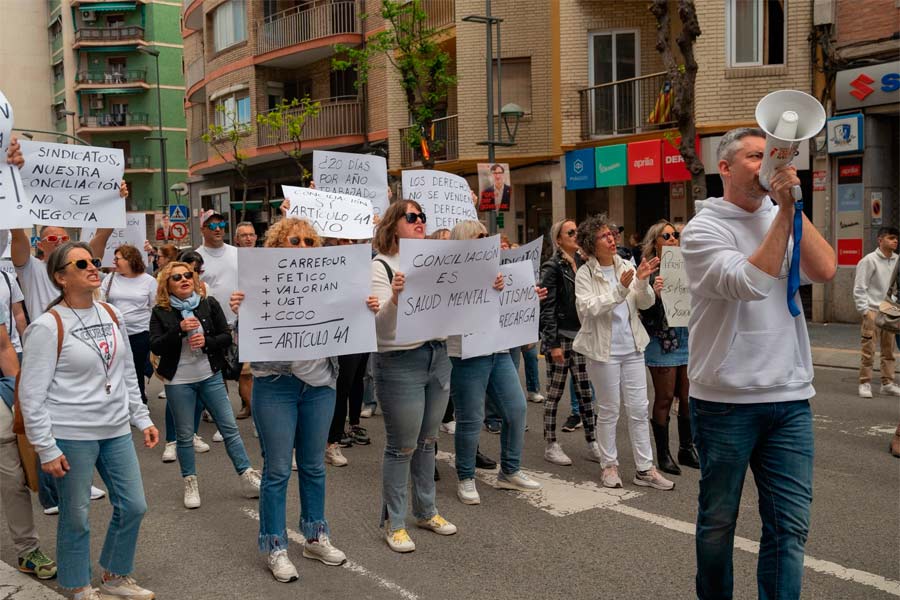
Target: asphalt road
574, 541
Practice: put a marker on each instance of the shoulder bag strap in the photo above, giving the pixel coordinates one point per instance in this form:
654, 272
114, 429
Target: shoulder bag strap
387, 269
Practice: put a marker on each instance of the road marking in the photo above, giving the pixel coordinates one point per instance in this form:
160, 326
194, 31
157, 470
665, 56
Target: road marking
561, 498
349, 565
19, 586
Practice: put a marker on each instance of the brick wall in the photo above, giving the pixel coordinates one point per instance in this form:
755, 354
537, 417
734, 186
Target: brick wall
864, 20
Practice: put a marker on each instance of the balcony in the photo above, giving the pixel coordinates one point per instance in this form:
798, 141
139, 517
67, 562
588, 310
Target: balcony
132, 78
138, 163
441, 14
193, 14
338, 117
627, 106
444, 144
198, 151
194, 74
307, 33
104, 36
99, 123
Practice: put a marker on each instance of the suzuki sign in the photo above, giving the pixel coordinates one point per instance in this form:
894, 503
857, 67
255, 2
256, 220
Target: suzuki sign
868, 86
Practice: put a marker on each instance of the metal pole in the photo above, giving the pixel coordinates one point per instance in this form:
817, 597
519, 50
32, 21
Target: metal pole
52, 133
162, 143
489, 61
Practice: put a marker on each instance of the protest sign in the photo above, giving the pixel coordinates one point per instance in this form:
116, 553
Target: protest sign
449, 287
494, 186
4, 244
70, 186
445, 197
133, 234
6, 122
12, 198
331, 215
305, 303
530, 252
362, 175
519, 314
675, 293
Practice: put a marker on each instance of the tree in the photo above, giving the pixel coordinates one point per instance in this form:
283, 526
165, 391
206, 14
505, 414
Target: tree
682, 78
289, 118
410, 47
225, 140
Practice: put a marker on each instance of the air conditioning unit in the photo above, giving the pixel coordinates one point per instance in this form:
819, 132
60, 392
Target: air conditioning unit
89, 16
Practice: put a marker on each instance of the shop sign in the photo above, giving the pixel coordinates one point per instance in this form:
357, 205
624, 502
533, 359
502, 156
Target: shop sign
868, 86
849, 252
819, 180
673, 166
644, 162
580, 169
845, 134
611, 162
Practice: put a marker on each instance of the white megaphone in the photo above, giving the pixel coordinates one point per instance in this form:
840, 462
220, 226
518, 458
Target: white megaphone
788, 117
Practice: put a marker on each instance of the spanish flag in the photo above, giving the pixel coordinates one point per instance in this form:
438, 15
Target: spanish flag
662, 111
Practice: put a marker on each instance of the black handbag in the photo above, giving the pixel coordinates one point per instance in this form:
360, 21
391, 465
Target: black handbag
231, 367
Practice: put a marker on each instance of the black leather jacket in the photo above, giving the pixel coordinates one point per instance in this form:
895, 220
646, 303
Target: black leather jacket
558, 308
166, 336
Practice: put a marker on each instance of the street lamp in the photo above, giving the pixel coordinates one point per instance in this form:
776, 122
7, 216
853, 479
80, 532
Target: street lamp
514, 112
150, 51
70, 113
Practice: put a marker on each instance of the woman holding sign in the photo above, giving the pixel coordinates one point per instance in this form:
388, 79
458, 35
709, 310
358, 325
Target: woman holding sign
608, 294
667, 357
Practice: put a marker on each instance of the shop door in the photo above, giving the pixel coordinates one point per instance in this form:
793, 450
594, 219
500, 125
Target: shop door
539, 213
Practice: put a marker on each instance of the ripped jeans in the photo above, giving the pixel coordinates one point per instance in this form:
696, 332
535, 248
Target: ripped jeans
413, 388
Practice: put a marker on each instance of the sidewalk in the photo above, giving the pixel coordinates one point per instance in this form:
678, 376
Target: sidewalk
837, 345
18, 586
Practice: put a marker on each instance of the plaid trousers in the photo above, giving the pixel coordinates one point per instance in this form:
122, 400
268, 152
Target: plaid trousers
556, 386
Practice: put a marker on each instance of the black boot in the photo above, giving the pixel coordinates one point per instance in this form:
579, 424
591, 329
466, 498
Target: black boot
664, 459
687, 453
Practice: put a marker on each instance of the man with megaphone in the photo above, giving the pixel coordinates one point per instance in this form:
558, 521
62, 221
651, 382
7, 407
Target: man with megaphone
750, 365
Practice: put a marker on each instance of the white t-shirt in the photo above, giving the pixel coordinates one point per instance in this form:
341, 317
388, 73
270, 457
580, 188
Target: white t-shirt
220, 274
36, 286
192, 366
622, 339
9, 295
135, 297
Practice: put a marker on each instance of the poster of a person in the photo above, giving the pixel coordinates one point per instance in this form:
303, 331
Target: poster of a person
494, 183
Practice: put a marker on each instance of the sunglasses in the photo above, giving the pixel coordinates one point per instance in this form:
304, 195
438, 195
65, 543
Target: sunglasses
217, 225
411, 217
295, 241
56, 238
179, 276
82, 263
571, 232
668, 236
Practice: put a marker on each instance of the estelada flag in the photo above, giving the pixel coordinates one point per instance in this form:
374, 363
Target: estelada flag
662, 111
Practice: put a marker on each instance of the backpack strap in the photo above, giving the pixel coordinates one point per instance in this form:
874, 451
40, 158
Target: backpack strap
387, 269
112, 313
18, 419
59, 332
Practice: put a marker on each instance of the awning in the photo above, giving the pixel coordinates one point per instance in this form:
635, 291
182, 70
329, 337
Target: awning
109, 49
106, 6
254, 204
111, 91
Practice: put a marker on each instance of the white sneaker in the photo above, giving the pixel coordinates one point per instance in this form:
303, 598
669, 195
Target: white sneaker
890, 389
191, 492
554, 454
518, 481
594, 452
366, 413
199, 445
652, 478
438, 524
865, 390
217, 437
535, 397
53, 510
323, 551
399, 541
466, 492
97, 493
334, 457
125, 587
610, 477
89, 594
281, 566
161, 395
170, 454
449, 427
250, 482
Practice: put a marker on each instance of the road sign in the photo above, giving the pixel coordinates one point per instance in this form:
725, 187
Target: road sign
178, 231
178, 213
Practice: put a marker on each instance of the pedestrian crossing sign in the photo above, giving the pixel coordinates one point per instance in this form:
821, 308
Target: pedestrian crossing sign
178, 213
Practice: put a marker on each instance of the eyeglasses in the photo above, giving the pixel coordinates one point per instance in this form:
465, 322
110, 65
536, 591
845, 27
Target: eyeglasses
668, 236
82, 263
217, 225
609, 235
295, 241
56, 238
411, 217
179, 276
571, 232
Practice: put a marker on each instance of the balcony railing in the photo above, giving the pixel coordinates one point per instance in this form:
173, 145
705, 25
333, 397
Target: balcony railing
444, 144
112, 77
116, 120
198, 151
337, 117
109, 34
441, 14
195, 72
137, 161
626, 106
307, 22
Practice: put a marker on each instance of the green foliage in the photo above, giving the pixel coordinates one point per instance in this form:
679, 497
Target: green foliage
225, 140
290, 117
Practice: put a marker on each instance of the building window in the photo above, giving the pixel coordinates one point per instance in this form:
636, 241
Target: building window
756, 32
59, 111
229, 24
614, 56
342, 84
516, 79
235, 110
58, 71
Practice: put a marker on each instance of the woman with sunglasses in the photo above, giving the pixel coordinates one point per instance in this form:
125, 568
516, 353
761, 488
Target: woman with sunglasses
189, 333
559, 325
293, 404
666, 356
79, 398
608, 294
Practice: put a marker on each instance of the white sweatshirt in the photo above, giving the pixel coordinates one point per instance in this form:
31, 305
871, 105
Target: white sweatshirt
873, 276
135, 297
65, 397
744, 345
220, 274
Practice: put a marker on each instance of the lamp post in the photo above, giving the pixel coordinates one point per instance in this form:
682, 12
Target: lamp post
70, 113
28, 133
150, 51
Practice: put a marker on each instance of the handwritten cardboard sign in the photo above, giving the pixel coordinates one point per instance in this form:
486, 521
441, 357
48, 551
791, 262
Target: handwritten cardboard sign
70, 186
305, 303
519, 314
133, 234
676, 295
362, 175
449, 287
530, 252
331, 214
6, 123
445, 197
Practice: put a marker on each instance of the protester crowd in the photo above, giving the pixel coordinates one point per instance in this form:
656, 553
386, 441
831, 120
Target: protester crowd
92, 342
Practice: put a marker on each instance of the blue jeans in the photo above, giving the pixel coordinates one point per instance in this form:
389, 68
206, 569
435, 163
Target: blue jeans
776, 440
413, 387
532, 375
117, 463
184, 398
290, 414
470, 380
170, 420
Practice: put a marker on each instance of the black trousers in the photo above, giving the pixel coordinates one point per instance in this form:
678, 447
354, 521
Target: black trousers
140, 351
349, 391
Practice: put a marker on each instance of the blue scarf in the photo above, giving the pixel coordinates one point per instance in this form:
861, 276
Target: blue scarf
186, 306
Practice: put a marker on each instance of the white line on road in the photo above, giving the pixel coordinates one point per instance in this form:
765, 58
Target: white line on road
349, 565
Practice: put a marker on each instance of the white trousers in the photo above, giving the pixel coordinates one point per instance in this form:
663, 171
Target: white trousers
622, 375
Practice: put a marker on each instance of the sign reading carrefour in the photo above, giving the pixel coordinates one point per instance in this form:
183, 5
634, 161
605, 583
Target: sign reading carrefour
580, 169
611, 163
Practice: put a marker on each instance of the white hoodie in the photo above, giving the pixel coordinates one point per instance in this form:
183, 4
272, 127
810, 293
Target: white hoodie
744, 345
